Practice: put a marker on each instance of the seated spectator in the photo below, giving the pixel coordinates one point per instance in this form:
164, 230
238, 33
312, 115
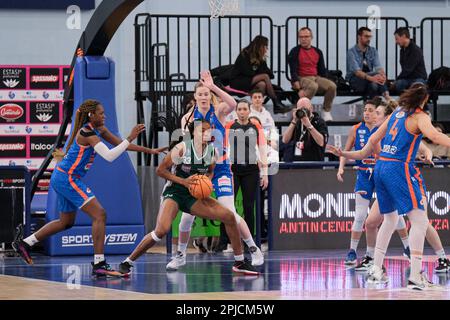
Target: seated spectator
250, 71
307, 135
308, 72
411, 61
439, 152
364, 71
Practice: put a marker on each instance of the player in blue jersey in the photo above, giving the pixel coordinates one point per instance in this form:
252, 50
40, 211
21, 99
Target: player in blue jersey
84, 143
222, 179
400, 186
358, 136
365, 186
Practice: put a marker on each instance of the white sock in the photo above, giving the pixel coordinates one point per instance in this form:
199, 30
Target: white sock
370, 252
99, 258
354, 244
405, 242
441, 254
129, 261
239, 257
182, 247
416, 267
250, 243
31, 240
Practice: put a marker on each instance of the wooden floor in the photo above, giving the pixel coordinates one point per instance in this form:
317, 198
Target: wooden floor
17, 288
285, 275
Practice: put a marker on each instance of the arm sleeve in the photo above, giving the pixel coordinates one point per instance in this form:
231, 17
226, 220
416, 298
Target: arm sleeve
111, 154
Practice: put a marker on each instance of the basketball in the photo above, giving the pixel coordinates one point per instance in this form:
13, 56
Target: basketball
203, 188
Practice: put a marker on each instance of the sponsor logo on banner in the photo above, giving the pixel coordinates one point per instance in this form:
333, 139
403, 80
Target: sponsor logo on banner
40, 146
13, 147
28, 129
44, 112
10, 130
27, 95
44, 78
66, 74
43, 184
10, 112
11, 83
47, 129
12, 78
86, 240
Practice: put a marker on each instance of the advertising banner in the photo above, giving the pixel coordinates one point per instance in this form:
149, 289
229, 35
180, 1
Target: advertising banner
312, 210
31, 113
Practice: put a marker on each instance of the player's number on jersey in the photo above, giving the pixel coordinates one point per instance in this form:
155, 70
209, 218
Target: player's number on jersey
394, 130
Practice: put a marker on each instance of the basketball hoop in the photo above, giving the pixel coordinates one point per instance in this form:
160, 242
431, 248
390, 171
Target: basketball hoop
220, 8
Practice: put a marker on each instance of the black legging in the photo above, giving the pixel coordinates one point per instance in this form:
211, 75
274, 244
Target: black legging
248, 182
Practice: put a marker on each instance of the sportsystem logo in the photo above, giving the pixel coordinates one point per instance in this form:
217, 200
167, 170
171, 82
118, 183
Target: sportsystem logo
111, 239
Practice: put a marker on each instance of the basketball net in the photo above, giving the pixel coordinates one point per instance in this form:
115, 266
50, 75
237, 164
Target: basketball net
220, 8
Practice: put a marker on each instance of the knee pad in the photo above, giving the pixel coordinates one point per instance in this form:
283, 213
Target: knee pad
228, 202
401, 224
419, 220
237, 217
186, 222
361, 211
391, 220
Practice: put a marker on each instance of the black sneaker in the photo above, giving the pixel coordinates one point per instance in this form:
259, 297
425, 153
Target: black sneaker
125, 268
443, 265
103, 269
198, 244
21, 247
245, 268
365, 264
220, 247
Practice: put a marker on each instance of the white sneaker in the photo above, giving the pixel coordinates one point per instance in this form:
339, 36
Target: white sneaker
229, 249
178, 261
264, 247
377, 276
423, 284
257, 256
326, 115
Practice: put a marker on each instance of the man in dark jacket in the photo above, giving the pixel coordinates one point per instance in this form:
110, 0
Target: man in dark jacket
307, 67
411, 60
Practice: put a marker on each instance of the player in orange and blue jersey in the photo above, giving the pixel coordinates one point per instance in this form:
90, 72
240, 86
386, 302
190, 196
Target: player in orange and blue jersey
358, 137
72, 193
400, 186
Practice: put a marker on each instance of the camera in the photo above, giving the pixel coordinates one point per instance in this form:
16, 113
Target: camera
303, 112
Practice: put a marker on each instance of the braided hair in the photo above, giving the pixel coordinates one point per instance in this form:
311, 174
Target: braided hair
82, 117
